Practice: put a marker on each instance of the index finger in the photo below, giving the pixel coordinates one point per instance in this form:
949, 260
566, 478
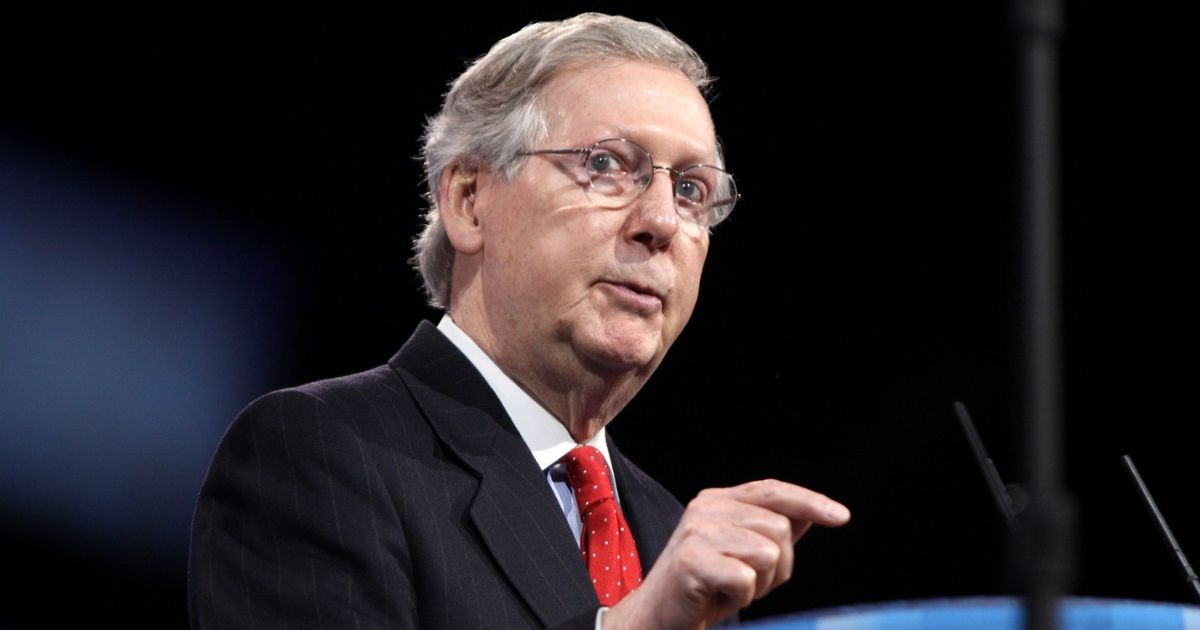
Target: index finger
795, 502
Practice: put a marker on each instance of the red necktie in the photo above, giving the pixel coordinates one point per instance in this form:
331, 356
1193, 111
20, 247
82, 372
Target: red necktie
606, 542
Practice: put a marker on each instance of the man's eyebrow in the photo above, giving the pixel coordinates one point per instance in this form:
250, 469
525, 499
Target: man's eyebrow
622, 133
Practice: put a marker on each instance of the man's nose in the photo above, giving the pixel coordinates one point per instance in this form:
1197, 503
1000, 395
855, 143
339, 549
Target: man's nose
654, 221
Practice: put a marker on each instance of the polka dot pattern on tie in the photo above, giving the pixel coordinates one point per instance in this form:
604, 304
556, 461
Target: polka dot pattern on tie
606, 542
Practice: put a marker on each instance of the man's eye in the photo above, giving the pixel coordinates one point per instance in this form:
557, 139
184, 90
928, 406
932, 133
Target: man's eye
692, 191
604, 162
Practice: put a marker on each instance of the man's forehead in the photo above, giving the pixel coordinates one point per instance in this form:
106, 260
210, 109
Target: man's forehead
653, 105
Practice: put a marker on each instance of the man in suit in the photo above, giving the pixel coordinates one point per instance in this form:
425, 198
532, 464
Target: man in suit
574, 177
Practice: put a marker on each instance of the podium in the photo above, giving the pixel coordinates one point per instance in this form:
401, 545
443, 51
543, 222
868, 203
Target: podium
990, 613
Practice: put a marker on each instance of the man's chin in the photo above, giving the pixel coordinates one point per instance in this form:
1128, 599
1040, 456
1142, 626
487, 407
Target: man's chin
622, 354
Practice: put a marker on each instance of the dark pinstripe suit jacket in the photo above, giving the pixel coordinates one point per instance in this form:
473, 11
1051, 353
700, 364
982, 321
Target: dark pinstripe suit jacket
398, 497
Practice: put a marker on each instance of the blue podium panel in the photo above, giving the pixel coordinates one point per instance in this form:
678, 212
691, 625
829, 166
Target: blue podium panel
990, 614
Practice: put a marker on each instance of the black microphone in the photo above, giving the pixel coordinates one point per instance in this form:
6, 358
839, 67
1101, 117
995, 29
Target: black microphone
1181, 560
1004, 500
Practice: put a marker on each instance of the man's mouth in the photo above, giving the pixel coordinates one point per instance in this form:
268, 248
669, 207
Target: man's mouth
639, 296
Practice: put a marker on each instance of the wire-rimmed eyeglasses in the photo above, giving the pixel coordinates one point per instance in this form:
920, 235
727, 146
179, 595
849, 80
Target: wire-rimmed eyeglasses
619, 170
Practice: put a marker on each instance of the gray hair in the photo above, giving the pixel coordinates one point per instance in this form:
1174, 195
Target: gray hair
492, 112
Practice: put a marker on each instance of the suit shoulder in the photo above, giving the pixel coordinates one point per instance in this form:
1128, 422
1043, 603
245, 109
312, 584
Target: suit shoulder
341, 389
349, 402
362, 388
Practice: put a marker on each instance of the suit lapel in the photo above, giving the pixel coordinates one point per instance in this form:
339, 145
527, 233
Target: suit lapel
514, 509
651, 520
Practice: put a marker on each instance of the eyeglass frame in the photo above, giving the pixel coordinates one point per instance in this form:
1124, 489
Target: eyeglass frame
671, 172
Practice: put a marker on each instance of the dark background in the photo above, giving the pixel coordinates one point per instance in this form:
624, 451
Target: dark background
238, 185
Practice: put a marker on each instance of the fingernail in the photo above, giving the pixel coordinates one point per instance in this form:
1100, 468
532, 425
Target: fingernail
837, 512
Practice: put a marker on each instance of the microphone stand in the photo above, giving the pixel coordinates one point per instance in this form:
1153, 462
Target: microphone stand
1044, 541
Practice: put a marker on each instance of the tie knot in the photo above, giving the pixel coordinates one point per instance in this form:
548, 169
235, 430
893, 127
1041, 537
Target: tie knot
587, 472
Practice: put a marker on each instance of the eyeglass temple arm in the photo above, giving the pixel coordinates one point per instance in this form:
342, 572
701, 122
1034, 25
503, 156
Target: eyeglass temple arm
727, 201
555, 152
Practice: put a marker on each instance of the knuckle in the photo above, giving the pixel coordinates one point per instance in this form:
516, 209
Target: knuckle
780, 526
784, 574
772, 553
762, 555
745, 586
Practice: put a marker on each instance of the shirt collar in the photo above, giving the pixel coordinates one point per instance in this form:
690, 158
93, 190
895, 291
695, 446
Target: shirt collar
545, 436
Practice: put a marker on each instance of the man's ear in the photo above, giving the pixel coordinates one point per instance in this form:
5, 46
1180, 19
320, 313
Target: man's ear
456, 208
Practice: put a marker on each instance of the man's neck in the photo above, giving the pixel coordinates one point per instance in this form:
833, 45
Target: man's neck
583, 400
